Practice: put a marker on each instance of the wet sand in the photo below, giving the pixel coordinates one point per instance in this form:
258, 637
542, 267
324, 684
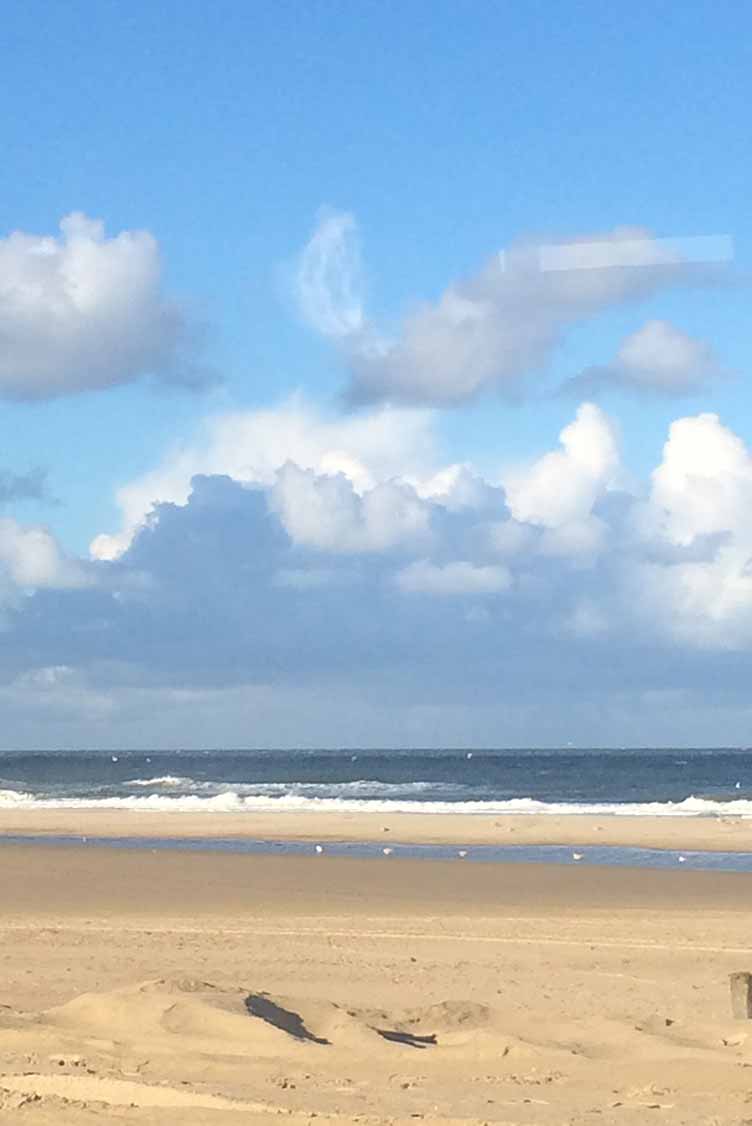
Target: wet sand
679, 832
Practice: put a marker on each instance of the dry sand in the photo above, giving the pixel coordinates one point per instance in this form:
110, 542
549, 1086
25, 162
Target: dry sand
222, 990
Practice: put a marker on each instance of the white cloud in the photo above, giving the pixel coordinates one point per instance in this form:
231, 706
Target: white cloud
703, 485
701, 492
252, 446
706, 605
562, 486
658, 357
457, 578
83, 311
490, 331
329, 281
326, 513
31, 558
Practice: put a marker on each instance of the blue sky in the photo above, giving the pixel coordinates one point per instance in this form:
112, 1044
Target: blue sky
274, 154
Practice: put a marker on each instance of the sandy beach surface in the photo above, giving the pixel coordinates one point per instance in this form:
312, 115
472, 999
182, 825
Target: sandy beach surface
222, 989
725, 834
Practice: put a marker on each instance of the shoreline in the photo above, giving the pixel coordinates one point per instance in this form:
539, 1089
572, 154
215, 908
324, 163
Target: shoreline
706, 834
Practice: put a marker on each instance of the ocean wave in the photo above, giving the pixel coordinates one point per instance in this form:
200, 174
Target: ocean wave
233, 802
361, 787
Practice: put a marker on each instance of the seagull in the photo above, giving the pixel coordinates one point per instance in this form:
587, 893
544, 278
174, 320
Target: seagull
387, 851
114, 758
682, 859
738, 786
462, 853
577, 855
319, 849
469, 754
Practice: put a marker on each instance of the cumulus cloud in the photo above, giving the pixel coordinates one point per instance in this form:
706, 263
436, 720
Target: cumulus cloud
325, 512
700, 498
497, 328
562, 486
252, 446
703, 484
659, 357
333, 488
82, 311
30, 557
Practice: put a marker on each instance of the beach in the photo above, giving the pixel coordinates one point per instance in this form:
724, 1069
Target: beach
713, 834
162, 988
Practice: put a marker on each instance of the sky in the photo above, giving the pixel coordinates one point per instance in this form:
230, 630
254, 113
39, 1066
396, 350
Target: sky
375, 375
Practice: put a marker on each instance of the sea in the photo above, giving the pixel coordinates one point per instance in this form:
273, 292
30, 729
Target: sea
665, 782
656, 782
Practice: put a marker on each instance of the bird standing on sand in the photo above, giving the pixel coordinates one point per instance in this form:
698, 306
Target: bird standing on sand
577, 855
462, 853
319, 849
387, 851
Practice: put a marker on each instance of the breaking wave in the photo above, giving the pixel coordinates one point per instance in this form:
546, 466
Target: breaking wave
270, 797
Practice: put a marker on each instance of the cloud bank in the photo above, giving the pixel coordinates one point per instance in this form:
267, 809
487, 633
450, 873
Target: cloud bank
382, 578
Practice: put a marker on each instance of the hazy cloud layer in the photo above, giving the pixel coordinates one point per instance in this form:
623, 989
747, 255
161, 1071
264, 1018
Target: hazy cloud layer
501, 326
24, 486
82, 311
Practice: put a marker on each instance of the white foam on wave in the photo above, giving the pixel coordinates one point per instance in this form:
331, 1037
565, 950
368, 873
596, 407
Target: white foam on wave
165, 780
232, 802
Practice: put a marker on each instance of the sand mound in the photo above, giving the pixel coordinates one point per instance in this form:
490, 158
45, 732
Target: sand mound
206, 1017
202, 1015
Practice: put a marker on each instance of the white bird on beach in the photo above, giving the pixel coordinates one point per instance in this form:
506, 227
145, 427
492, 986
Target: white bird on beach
319, 849
738, 786
387, 851
577, 855
462, 853
682, 859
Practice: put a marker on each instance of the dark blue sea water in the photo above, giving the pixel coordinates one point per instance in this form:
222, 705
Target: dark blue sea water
671, 782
